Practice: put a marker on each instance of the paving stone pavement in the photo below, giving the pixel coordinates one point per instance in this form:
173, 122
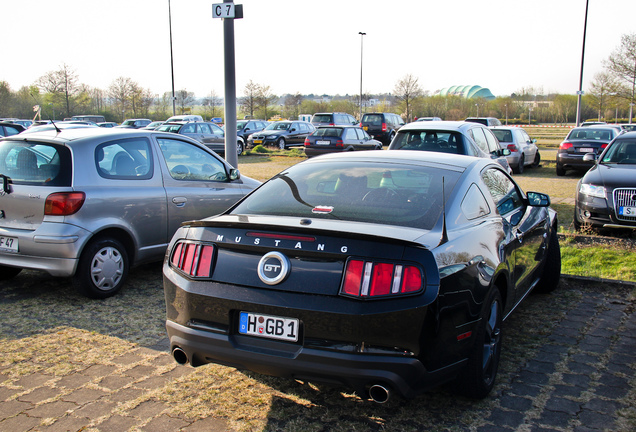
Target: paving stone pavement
578, 381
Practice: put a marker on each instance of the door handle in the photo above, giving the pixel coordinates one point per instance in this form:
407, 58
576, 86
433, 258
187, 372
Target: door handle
179, 201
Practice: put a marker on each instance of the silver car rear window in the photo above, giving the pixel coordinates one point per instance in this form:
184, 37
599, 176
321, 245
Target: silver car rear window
34, 163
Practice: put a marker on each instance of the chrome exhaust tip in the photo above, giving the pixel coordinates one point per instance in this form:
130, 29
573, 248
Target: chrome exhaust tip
379, 394
180, 356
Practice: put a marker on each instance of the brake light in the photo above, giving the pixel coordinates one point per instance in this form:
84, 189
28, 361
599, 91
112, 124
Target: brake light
383, 127
360, 124
368, 279
194, 259
307, 142
339, 143
604, 145
64, 203
512, 147
565, 145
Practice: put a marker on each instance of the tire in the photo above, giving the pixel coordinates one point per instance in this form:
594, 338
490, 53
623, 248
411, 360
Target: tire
537, 159
552, 269
519, 168
102, 269
560, 171
575, 220
7, 272
239, 147
478, 379
281, 143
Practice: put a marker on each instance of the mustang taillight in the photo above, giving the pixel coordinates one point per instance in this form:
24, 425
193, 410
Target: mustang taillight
64, 203
565, 145
369, 279
194, 259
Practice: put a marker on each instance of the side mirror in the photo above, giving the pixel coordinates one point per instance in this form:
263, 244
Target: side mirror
234, 174
589, 157
538, 199
505, 152
292, 130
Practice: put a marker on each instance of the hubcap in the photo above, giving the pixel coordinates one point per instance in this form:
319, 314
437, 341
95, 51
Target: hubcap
107, 268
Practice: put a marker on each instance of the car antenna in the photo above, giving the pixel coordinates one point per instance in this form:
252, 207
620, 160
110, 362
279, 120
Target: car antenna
55, 126
444, 238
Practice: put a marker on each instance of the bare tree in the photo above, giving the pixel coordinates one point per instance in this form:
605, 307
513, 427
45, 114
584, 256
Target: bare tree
601, 90
264, 99
120, 92
185, 100
210, 103
62, 85
622, 65
249, 100
406, 90
292, 105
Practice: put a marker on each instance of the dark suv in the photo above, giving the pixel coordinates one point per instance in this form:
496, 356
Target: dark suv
382, 126
333, 119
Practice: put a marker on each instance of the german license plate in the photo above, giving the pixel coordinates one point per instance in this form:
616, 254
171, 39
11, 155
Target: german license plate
586, 150
627, 211
9, 244
365, 127
268, 326
322, 142
258, 141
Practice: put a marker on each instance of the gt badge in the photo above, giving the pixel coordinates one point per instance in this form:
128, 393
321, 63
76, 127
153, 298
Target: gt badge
273, 268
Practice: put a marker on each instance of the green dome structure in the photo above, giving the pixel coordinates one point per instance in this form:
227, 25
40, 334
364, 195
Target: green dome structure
467, 91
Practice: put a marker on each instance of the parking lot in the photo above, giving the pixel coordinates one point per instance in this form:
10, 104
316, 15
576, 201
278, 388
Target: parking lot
69, 363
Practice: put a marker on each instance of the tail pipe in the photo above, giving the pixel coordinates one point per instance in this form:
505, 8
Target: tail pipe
379, 393
180, 356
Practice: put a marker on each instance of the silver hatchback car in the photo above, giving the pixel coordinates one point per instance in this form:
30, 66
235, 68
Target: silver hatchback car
91, 203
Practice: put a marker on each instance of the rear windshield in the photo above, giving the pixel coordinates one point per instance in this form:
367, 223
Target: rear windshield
35, 163
429, 140
324, 118
174, 128
374, 119
503, 135
588, 133
383, 193
328, 131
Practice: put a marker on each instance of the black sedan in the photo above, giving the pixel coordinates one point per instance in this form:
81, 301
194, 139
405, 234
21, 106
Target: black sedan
606, 195
384, 272
282, 134
579, 142
335, 139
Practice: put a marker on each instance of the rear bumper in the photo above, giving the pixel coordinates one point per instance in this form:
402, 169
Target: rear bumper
573, 161
405, 375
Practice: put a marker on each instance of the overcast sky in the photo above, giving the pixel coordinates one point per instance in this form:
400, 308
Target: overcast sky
314, 46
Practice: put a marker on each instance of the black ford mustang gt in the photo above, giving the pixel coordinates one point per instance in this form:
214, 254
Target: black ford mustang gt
382, 271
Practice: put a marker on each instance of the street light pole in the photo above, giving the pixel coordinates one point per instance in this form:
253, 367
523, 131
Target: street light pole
174, 99
361, 51
580, 92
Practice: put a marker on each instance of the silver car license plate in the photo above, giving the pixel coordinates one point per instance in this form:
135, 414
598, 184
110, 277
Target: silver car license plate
322, 142
586, 150
627, 211
9, 244
268, 326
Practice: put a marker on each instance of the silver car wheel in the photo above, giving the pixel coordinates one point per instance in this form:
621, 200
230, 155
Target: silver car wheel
107, 268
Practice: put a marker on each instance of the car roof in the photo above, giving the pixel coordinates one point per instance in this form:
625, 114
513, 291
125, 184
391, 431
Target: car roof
440, 125
67, 136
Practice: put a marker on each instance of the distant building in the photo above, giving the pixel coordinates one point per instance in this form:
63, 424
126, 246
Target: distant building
467, 91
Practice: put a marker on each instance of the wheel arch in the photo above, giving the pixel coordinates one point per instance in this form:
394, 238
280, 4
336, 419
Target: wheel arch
124, 237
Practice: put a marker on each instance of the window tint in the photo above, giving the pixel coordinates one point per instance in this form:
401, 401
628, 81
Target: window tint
189, 162
129, 159
374, 119
503, 135
382, 193
36, 164
429, 140
502, 190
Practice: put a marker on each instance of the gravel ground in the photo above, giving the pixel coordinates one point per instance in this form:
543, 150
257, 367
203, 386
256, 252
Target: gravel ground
70, 363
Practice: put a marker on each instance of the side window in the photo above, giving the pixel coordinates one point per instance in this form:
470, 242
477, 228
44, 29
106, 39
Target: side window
350, 134
205, 129
525, 137
129, 159
352, 119
480, 139
216, 130
188, 162
503, 191
474, 204
188, 128
362, 135
493, 145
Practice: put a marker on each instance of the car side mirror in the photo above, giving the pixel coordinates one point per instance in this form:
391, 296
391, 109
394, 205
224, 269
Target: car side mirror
292, 130
589, 157
538, 199
234, 174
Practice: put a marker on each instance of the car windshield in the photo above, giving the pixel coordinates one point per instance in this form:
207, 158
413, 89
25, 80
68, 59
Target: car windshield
240, 125
35, 164
324, 118
382, 193
278, 126
328, 131
128, 123
503, 135
169, 128
621, 152
374, 119
429, 140
589, 133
